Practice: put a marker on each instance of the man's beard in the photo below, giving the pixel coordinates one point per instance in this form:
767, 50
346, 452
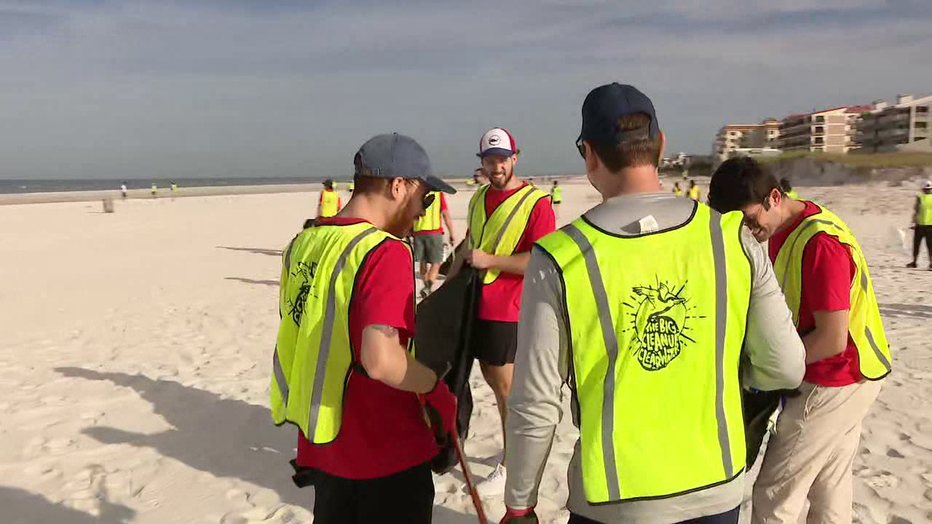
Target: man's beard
506, 179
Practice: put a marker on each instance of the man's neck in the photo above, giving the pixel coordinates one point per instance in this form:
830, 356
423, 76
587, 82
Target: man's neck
632, 181
367, 208
794, 208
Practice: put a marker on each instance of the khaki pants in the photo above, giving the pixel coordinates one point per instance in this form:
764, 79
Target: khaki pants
810, 455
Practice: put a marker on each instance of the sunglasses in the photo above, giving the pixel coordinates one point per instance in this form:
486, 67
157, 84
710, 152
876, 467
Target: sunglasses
581, 147
428, 200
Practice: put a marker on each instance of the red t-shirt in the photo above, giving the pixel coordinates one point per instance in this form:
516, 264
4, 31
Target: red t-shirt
443, 207
827, 273
383, 429
501, 300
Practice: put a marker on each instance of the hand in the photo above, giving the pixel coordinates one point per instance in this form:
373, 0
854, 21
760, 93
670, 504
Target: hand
452, 240
519, 516
440, 406
479, 259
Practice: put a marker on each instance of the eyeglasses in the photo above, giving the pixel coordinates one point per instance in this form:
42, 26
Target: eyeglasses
581, 147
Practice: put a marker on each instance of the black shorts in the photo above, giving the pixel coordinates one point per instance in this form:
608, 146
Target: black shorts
494, 342
406, 497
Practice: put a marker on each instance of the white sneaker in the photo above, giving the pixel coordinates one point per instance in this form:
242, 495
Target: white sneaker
494, 484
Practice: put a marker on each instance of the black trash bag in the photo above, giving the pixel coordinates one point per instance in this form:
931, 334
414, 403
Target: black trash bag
448, 263
443, 327
759, 406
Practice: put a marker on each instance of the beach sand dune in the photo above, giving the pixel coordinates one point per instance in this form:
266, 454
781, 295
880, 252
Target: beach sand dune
136, 348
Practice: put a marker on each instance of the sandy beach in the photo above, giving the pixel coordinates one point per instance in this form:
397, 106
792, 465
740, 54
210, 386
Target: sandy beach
136, 348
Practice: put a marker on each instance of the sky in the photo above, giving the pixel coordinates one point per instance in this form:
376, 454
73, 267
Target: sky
183, 88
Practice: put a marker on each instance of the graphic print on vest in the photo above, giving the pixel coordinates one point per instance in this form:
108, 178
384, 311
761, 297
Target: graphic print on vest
297, 304
660, 318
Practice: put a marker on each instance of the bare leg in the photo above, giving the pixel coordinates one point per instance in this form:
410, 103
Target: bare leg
499, 379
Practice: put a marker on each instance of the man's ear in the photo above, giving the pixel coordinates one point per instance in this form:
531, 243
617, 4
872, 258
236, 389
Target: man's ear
514, 157
592, 159
663, 147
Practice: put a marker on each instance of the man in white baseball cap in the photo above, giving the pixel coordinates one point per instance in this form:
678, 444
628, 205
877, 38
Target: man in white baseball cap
505, 218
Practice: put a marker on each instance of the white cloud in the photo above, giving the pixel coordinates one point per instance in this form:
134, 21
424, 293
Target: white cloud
270, 88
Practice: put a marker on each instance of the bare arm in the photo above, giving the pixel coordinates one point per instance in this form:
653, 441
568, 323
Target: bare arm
449, 223
385, 359
515, 264
830, 336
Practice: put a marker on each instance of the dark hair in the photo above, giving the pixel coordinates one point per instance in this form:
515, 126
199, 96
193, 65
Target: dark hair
630, 153
369, 185
328, 184
785, 184
739, 182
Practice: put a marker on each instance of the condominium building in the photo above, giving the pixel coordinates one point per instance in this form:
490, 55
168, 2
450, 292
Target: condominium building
734, 137
831, 130
903, 126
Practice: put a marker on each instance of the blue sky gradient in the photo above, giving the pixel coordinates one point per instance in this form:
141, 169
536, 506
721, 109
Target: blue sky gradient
287, 88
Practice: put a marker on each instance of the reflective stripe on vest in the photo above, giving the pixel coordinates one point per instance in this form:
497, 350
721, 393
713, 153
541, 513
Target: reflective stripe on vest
925, 210
430, 220
656, 326
329, 203
864, 323
313, 356
500, 233
556, 194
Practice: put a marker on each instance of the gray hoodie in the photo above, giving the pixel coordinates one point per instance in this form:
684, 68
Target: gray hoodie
775, 354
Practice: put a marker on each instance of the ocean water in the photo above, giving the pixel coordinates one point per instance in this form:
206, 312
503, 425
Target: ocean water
54, 186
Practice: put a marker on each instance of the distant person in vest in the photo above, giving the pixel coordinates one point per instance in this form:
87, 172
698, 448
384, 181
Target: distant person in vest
329, 203
693, 190
341, 371
644, 306
677, 190
505, 218
828, 288
428, 240
556, 197
787, 188
922, 223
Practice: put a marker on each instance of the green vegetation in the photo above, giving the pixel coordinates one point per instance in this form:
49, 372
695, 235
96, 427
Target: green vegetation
859, 159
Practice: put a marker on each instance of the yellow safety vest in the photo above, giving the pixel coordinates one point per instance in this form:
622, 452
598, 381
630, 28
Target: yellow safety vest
792, 193
556, 194
694, 193
500, 233
430, 220
329, 203
864, 324
656, 324
925, 210
313, 356
677, 192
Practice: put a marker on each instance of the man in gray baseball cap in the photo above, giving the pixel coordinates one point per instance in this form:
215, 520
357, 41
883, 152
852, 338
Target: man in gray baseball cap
341, 371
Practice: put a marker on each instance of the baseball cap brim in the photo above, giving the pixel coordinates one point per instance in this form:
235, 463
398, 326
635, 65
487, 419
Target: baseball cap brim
500, 151
437, 184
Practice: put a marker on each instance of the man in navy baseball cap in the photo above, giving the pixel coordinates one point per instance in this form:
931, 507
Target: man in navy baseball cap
342, 371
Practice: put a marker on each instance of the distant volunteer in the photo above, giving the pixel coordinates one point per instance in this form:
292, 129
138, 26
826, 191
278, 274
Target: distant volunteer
341, 371
677, 190
644, 306
505, 218
428, 240
693, 190
922, 223
556, 197
329, 203
828, 288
